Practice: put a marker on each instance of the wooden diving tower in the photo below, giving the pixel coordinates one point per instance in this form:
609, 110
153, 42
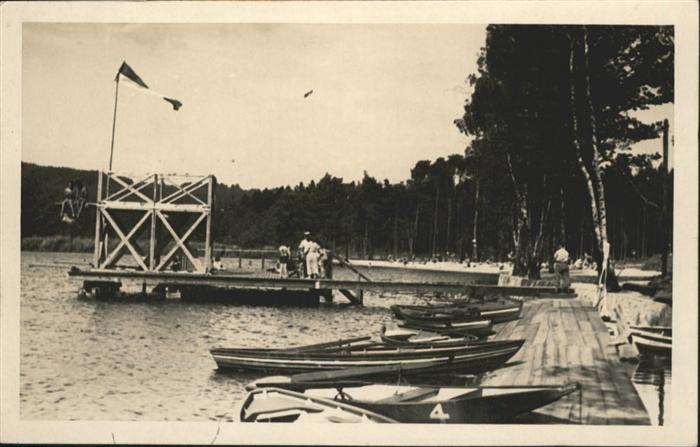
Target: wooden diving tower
165, 211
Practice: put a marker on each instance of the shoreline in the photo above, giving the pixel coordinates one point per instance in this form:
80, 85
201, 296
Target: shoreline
577, 276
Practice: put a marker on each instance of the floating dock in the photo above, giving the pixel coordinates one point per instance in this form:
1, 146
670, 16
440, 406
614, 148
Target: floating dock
566, 341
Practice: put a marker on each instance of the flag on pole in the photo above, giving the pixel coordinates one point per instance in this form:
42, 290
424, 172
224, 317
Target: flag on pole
129, 73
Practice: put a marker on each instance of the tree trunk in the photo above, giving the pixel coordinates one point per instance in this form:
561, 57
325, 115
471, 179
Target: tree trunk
364, 241
577, 146
595, 200
414, 235
435, 221
664, 210
611, 278
449, 219
522, 240
536, 254
475, 253
562, 220
395, 247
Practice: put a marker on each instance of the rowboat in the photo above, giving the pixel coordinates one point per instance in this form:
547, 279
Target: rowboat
497, 311
281, 405
396, 335
652, 340
479, 328
428, 404
376, 359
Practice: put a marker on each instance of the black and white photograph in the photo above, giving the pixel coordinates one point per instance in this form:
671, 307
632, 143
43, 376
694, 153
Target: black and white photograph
264, 222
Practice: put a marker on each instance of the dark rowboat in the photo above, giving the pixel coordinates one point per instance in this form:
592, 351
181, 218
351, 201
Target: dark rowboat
375, 359
281, 405
498, 312
398, 336
480, 328
652, 340
427, 404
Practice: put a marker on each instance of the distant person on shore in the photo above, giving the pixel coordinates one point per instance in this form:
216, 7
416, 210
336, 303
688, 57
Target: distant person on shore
561, 267
312, 259
68, 195
176, 265
80, 191
303, 251
285, 254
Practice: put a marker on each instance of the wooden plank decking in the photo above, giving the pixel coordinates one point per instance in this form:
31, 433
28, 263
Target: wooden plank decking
566, 342
266, 280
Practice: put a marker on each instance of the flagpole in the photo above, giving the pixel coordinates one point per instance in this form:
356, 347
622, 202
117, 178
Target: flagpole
104, 233
114, 123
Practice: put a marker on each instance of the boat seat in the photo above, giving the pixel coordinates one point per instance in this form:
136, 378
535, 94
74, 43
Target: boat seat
419, 393
281, 405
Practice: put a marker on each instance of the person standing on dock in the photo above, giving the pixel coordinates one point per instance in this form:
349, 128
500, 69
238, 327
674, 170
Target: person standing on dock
561, 268
285, 253
322, 260
303, 251
312, 259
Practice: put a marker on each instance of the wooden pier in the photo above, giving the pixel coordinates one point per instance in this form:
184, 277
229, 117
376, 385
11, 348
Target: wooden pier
566, 341
352, 289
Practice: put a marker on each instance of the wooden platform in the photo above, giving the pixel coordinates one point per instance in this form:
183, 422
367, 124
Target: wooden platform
271, 281
566, 341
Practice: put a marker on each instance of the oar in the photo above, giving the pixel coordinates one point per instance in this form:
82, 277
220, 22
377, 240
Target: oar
287, 383
331, 344
361, 371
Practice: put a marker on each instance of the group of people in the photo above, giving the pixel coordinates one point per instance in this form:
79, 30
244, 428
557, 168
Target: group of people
74, 199
312, 259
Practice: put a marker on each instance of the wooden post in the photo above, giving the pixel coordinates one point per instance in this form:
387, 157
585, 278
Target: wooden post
114, 123
664, 206
240, 259
262, 260
207, 243
329, 265
98, 223
152, 244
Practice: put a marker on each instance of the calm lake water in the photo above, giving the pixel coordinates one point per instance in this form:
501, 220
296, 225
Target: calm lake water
86, 359
652, 379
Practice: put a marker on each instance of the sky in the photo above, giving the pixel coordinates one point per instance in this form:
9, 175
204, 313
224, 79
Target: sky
384, 97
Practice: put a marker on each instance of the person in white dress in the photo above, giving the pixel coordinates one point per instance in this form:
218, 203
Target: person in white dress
312, 257
303, 251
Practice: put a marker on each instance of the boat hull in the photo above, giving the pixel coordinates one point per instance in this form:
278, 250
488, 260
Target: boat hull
498, 312
425, 404
471, 358
653, 340
279, 405
396, 336
650, 346
476, 407
479, 328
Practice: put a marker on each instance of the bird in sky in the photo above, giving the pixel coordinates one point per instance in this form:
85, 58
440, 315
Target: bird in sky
306, 95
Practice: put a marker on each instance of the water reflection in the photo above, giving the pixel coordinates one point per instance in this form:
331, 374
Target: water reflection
652, 378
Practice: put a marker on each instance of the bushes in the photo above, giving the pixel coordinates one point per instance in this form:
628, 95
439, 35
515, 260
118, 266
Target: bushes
653, 263
58, 243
